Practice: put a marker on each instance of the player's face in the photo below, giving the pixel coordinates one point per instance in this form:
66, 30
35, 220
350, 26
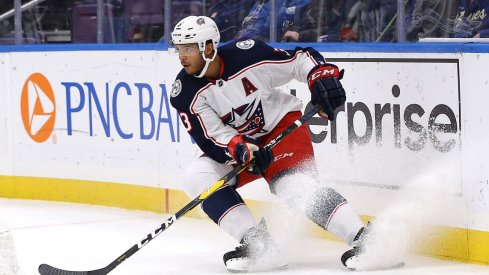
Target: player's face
190, 58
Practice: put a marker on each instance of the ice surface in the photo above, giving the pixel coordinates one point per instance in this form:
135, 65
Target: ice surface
83, 237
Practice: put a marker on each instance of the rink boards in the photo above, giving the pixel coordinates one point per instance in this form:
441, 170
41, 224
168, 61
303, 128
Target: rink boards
93, 124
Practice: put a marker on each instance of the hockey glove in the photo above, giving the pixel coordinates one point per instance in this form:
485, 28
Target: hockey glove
243, 149
326, 89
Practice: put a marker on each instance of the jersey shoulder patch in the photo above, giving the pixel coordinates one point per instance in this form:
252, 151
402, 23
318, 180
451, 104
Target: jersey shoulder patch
246, 44
184, 89
176, 88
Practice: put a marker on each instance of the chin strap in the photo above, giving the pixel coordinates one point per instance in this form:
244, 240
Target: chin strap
207, 62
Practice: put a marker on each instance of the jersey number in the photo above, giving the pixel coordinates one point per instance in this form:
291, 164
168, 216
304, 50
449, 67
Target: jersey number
186, 121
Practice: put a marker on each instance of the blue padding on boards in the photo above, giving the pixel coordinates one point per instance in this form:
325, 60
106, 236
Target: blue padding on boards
428, 47
220, 202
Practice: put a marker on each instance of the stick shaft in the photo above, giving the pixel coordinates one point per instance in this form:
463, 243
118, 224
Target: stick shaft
49, 270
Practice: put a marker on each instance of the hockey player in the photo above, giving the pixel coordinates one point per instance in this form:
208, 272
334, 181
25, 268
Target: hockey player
226, 99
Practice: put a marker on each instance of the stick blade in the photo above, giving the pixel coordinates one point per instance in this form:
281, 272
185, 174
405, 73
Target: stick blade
45, 269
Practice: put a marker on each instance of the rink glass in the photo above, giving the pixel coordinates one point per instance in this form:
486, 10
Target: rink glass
134, 21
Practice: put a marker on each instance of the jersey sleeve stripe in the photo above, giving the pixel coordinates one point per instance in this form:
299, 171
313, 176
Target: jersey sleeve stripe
197, 96
207, 135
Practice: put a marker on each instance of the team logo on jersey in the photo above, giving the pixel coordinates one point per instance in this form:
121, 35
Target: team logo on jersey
253, 113
176, 88
247, 44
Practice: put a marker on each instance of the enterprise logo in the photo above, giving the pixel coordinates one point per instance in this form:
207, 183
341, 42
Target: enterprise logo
37, 106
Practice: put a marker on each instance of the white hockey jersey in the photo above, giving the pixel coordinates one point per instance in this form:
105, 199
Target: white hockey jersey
244, 101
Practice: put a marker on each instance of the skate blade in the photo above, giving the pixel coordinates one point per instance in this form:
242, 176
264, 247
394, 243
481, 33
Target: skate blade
244, 265
238, 265
254, 270
378, 268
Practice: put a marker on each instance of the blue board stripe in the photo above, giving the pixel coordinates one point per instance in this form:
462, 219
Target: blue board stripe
435, 47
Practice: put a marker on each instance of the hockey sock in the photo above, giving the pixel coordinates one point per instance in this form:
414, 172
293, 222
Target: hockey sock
331, 211
228, 210
322, 205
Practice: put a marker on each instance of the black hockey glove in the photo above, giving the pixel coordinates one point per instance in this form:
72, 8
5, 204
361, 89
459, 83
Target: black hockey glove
326, 89
243, 149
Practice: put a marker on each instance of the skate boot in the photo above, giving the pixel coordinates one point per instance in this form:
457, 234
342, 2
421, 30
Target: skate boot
358, 258
257, 252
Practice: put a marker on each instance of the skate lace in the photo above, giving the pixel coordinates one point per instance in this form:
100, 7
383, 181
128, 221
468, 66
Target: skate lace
242, 248
253, 245
360, 238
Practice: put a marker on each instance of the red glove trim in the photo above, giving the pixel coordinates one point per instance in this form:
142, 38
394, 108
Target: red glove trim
233, 143
322, 71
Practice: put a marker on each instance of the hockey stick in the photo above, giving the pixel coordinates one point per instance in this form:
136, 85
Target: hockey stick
45, 269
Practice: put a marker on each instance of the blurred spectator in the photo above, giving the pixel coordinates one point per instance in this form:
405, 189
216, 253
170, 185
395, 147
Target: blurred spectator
472, 19
293, 16
257, 23
370, 21
140, 21
430, 18
320, 22
57, 15
6, 26
229, 15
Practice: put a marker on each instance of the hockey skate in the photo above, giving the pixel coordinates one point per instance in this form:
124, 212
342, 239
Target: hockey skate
256, 252
358, 257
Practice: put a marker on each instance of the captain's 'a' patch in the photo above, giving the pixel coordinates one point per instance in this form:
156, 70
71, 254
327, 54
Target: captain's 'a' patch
246, 44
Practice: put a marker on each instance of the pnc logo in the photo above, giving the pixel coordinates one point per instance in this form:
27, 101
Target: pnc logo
37, 107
